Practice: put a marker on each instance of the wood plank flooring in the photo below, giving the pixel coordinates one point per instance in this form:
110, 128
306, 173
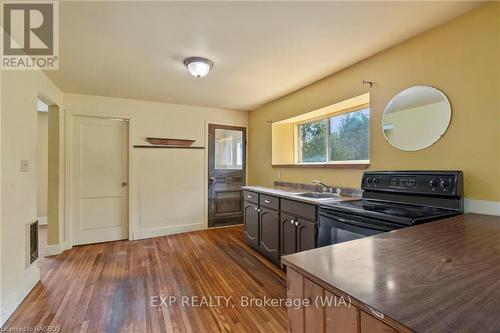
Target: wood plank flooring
108, 287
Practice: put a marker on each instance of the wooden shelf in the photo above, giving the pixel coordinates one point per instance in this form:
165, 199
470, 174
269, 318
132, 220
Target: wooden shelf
166, 147
170, 142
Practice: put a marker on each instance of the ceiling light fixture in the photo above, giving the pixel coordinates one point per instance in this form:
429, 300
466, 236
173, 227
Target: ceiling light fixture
197, 66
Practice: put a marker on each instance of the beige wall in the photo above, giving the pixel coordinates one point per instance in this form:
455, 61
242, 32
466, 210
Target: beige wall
42, 163
168, 186
19, 93
460, 58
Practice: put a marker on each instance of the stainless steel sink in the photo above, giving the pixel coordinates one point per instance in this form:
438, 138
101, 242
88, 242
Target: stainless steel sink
318, 195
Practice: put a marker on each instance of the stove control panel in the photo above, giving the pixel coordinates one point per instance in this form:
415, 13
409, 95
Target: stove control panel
443, 183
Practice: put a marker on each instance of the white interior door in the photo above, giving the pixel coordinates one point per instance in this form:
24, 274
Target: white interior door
99, 178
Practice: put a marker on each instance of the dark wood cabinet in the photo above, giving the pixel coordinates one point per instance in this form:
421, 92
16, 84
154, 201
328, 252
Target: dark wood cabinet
288, 232
251, 223
269, 240
297, 234
251, 197
276, 232
306, 235
297, 208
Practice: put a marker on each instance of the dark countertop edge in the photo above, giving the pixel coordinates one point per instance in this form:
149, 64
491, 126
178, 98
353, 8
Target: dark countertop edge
275, 192
339, 292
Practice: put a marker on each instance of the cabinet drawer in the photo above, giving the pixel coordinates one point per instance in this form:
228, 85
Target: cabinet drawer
251, 197
299, 209
269, 201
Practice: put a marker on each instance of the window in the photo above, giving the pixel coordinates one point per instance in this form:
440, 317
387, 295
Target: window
228, 149
336, 139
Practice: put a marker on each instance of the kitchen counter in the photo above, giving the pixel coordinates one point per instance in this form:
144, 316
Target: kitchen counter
290, 193
442, 276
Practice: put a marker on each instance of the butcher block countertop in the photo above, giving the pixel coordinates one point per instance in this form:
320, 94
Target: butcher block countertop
442, 276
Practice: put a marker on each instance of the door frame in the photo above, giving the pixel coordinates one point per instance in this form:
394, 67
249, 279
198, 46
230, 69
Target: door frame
222, 125
68, 167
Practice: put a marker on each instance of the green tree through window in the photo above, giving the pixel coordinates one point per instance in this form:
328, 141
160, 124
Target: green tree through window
350, 136
345, 137
313, 141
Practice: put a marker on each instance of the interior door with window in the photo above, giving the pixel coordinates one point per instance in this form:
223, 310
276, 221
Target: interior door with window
226, 174
99, 179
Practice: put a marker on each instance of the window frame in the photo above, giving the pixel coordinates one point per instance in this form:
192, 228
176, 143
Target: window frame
297, 140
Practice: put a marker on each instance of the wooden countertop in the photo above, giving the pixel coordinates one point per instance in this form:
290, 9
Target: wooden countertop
442, 276
290, 193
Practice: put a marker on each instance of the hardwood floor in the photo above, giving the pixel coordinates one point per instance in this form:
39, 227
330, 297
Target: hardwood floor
108, 287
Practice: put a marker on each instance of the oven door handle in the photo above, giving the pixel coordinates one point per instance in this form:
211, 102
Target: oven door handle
358, 224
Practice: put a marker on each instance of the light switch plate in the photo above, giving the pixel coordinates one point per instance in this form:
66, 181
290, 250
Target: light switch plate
24, 166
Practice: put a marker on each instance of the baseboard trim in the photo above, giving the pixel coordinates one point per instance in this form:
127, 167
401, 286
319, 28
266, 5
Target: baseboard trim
65, 246
12, 301
170, 230
53, 250
482, 207
42, 220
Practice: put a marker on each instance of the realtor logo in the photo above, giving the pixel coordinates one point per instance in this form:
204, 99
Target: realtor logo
30, 35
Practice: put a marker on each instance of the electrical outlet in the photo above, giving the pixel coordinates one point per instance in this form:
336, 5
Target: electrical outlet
24, 166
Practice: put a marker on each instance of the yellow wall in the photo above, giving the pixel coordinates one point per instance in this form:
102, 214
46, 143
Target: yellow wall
461, 58
283, 143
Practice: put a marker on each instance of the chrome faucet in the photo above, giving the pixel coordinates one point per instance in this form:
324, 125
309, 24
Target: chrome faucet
324, 187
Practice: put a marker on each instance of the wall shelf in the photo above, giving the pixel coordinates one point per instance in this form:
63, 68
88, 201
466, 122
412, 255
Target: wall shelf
170, 142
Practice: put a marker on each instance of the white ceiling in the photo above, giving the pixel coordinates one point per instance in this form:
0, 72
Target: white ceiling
261, 50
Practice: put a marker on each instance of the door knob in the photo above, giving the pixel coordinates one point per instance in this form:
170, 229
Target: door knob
124, 184
212, 179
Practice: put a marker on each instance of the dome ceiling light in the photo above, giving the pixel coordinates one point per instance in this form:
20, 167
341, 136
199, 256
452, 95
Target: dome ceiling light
197, 66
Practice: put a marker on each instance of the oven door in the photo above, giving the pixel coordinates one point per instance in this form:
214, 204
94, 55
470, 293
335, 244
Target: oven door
337, 227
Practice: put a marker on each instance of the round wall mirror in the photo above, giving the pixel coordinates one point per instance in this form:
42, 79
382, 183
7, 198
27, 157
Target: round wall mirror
416, 118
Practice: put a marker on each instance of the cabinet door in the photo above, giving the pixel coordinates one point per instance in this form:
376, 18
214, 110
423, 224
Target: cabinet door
306, 235
269, 240
288, 234
251, 223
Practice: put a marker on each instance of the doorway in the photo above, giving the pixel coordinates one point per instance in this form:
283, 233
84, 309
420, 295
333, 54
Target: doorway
99, 179
226, 174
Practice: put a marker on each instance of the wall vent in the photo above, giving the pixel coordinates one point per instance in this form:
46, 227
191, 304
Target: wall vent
31, 242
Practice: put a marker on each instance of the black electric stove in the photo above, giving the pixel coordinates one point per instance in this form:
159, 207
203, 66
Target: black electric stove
392, 200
